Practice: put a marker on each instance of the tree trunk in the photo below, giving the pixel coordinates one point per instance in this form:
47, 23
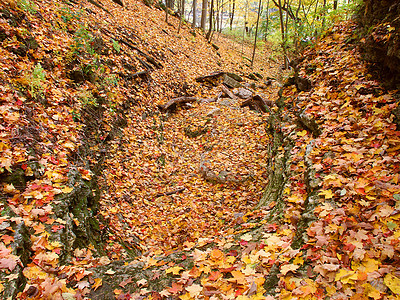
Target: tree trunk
181, 14
232, 14
222, 17
194, 13
170, 4
267, 24
211, 21
335, 4
255, 37
216, 26
204, 14
166, 11
282, 32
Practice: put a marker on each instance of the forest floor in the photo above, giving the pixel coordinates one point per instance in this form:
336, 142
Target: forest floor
108, 195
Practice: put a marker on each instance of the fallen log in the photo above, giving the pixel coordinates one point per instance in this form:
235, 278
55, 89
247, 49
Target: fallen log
228, 92
118, 2
171, 104
257, 103
149, 59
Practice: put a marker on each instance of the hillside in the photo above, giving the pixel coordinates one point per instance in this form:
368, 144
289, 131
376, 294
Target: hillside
142, 163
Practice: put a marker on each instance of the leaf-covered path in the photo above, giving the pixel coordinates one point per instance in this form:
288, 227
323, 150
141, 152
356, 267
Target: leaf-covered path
107, 195
216, 152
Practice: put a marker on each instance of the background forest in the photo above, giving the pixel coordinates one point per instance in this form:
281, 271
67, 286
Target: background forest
289, 25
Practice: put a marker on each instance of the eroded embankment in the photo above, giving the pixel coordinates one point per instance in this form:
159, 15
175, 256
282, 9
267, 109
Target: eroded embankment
70, 75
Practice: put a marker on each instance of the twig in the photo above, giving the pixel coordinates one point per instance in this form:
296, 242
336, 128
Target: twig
171, 193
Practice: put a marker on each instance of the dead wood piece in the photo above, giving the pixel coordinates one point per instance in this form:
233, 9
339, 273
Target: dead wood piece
144, 64
227, 92
118, 2
171, 193
150, 59
205, 100
99, 5
210, 77
220, 94
141, 74
215, 46
171, 104
257, 103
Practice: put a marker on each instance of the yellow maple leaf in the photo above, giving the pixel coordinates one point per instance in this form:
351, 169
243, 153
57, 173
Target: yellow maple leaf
371, 292
97, 283
345, 276
67, 190
174, 270
393, 283
185, 297
327, 194
302, 133
238, 276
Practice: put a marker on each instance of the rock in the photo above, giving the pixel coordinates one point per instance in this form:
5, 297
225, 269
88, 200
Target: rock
309, 124
303, 84
227, 102
12, 278
215, 111
243, 93
230, 82
235, 76
98, 44
81, 205
254, 77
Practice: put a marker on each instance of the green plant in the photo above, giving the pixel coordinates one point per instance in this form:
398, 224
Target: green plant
116, 45
27, 6
36, 81
67, 15
111, 80
87, 99
76, 116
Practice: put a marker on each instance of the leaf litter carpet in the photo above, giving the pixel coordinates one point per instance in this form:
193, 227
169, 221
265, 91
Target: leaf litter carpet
165, 153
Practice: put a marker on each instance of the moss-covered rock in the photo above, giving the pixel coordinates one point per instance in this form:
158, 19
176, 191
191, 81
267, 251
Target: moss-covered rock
12, 277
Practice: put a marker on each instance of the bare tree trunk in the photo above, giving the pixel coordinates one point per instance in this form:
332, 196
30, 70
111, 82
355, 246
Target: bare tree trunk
245, 24
232, 14
208, 36
335, 4
222, 17
204, 14
267, 24
255, 37
170, 4
283, 32
180, 9
216, 26
194, 13
166, 11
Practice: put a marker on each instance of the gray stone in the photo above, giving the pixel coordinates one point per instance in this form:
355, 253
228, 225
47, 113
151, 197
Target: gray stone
230, 82
213, 112
243, 93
